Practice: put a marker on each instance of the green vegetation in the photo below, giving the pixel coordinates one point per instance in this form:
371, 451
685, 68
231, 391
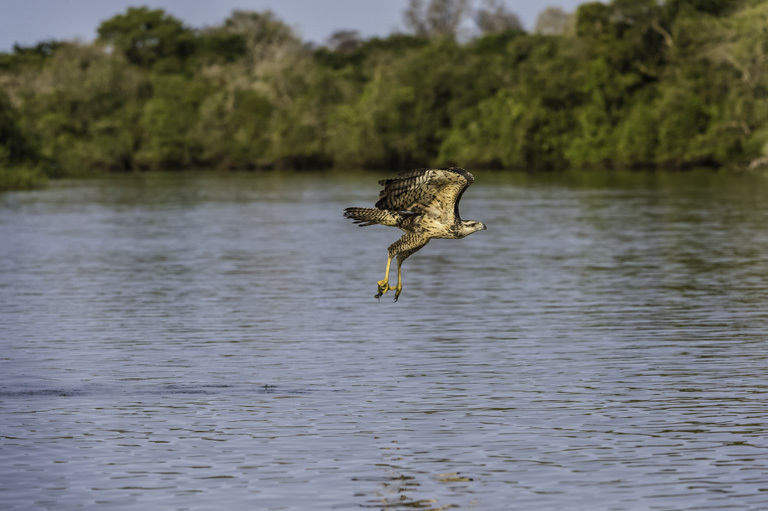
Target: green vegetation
625, 84
20, 162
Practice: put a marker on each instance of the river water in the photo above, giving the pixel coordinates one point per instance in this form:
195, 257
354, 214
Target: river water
203, 342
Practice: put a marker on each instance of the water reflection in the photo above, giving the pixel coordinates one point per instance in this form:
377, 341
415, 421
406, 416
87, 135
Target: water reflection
196, 341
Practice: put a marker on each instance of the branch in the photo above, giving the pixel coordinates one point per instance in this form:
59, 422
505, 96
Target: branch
663, 32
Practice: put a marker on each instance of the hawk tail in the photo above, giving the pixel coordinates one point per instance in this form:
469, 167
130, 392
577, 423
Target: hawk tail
371, 216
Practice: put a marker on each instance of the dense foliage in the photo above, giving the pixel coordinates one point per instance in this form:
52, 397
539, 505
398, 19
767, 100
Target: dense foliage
630, 83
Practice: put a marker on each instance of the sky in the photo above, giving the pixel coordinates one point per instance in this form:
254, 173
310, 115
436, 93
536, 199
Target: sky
28, 22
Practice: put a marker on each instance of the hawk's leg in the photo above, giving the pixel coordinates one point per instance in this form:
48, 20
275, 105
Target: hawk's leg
399, 287
408, 244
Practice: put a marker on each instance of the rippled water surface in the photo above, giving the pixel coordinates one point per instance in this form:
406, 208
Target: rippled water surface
200, 342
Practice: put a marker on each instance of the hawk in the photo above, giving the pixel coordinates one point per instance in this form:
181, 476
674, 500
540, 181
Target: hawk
425, 204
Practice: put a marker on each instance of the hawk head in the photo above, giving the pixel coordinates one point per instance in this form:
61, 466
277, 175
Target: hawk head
467, 227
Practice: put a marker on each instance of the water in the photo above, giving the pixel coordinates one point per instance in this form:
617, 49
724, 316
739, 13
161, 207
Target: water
199, 342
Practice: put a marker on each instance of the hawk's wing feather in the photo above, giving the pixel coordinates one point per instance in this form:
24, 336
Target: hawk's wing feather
432, 192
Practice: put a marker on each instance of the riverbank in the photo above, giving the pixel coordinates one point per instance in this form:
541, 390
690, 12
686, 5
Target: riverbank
21, 178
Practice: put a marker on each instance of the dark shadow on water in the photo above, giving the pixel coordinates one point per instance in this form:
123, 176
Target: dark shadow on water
33, 393
145, 389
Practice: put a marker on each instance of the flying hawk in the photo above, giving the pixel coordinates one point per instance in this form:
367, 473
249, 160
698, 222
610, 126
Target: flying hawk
425, 204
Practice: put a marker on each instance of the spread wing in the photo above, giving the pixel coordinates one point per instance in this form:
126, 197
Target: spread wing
431, 192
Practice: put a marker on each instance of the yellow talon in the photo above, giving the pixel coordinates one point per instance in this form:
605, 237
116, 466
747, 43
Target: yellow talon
383, 288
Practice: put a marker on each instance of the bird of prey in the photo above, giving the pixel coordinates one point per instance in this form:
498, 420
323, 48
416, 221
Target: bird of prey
425, 204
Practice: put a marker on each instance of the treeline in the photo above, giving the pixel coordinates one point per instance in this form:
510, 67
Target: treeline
630, 83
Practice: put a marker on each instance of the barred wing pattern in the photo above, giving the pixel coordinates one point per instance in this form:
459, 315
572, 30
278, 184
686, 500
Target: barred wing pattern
430, 192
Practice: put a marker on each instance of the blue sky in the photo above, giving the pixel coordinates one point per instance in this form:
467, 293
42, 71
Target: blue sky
28, 22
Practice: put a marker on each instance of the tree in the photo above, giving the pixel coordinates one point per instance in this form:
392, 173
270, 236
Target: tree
439, 18
167, 120
553, 21
215, 45
266, 37
344, 41
19, 158
148, 36
712, 7
29, 55
593, 20
82, 105
494, 17
15, 148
